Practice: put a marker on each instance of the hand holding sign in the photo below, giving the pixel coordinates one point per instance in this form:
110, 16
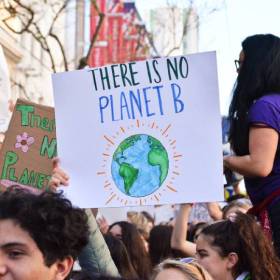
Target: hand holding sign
59, 176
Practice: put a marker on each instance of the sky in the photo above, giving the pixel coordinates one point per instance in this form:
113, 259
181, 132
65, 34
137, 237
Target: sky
225, 29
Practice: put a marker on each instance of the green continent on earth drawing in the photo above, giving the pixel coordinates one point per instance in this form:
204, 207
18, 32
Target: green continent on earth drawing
158, 156
140, 165
129, 175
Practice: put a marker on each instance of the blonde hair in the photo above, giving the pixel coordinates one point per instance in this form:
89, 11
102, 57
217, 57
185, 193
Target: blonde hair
140, 221
192, 270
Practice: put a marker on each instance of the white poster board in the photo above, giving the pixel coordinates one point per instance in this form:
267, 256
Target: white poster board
5, 93
141, 133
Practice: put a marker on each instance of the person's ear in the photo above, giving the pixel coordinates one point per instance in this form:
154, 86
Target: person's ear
232, 260
63, 268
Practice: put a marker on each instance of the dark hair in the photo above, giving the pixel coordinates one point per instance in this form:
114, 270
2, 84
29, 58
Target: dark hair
120, 257
58, 229
160, 244
246, 238
194, 229
258, 76
135, 248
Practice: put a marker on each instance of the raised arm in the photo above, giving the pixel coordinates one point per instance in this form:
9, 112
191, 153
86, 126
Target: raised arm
214, 211
263, 143
96, 257
179, 234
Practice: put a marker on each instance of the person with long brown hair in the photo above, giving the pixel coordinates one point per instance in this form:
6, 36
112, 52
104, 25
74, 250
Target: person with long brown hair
237, 249
120, 257
160, 244
131, 238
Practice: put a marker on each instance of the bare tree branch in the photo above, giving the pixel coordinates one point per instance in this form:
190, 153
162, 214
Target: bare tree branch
44, 44
62, 8
203, 11
26, 16
56, 38
64, 58
20, 87
14, 12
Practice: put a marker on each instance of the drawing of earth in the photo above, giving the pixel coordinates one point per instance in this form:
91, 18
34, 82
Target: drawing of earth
140, 165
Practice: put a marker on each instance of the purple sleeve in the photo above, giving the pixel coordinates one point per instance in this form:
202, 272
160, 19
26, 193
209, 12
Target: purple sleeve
263, 112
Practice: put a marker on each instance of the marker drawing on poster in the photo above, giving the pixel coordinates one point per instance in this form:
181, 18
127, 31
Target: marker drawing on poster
141, 133
29, 146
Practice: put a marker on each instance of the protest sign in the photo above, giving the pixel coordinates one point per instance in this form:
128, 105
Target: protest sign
29, 146
5, 92
141, 133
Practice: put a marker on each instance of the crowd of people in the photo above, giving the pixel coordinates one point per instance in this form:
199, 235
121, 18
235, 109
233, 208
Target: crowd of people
43, 236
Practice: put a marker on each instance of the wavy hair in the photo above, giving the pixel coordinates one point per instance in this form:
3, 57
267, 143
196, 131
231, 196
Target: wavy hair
57, 227
259, 75
244, 237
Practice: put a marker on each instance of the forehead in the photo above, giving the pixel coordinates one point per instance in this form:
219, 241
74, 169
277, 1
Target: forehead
171, 273
203, 242
116, 229
241, 55
201, 239
12, 233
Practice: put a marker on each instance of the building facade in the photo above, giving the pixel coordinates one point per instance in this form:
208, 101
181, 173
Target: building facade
122, 36
174, 30
31, 62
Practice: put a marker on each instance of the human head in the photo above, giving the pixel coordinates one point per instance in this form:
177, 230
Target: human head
230, 247
196, 230
258, 76
40, 235
160, 244
134, 243
120, 257
141, 222
149, 217
172, 269
239, 205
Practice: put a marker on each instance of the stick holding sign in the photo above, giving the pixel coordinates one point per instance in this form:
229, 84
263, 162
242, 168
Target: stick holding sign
141, 133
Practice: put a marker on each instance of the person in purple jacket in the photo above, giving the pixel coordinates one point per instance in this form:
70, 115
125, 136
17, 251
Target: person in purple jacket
254, 115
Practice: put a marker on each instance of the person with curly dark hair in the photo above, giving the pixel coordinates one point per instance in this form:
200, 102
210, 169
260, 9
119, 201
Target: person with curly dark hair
254, 116
237, 249
40, 235
95, 258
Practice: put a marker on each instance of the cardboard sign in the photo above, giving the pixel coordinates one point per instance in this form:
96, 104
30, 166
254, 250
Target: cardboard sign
29, 146
141, 133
